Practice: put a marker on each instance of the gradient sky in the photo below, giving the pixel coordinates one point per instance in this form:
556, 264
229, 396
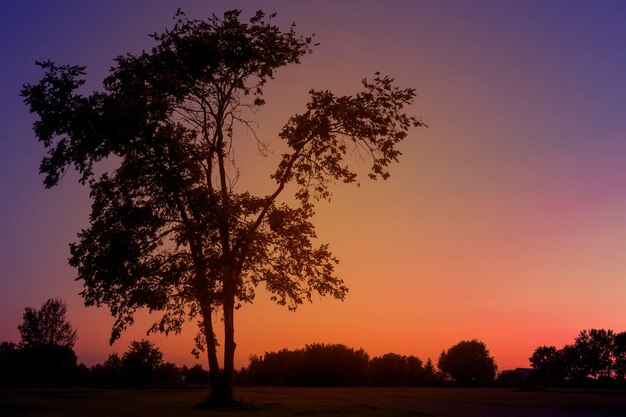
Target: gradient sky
504, 221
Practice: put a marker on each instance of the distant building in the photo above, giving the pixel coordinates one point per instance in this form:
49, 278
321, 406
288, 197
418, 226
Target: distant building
523, 373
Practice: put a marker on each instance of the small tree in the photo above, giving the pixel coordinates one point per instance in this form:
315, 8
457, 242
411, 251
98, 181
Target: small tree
430, 372
468, 362
109, 374
169, 230
47, 326
140, 362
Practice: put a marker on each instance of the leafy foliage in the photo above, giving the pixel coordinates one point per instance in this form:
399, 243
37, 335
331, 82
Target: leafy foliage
169, 231
47, 326
595, 353
315, 365
468, 362
140, 362
108, 374
392, 369
48, 364
547, 363
619, 355
595, 348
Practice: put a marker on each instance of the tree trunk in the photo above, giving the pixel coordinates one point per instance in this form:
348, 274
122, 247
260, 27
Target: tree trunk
229, 347
228, 291
217, 386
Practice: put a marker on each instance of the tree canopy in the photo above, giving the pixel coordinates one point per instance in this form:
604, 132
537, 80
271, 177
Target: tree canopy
140, 362
169, 229
468, 362
47, 326
595, 353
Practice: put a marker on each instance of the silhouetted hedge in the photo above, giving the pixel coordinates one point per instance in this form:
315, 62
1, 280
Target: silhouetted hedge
42, 365
315, 365
333, 365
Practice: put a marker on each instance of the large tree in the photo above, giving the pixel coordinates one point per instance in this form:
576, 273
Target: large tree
169, 230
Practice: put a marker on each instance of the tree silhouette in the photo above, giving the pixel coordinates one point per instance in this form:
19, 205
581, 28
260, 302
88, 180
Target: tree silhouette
468, 362
392, 369
316, 364
548, 364
10, 364
619, 365
595, 353
109, 374
140, 362
46, 344
48, 364
594, 349
47, 326
169, 230
195, 375
431, 372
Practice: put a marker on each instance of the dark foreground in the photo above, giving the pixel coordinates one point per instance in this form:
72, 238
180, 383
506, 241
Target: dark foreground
277, 402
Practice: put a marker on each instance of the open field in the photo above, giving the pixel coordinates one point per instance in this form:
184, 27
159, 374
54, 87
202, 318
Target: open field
278, 402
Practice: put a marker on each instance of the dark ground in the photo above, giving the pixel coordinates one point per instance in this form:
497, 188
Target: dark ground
278, 402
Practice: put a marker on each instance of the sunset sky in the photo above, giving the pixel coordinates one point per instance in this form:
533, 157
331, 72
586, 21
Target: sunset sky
505, 219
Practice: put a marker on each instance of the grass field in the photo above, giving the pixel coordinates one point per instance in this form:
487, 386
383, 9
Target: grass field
278, 402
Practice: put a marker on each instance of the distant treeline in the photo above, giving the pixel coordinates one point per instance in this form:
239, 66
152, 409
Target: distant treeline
336, 365
140, 366
45, 357
40, 365
597, 357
